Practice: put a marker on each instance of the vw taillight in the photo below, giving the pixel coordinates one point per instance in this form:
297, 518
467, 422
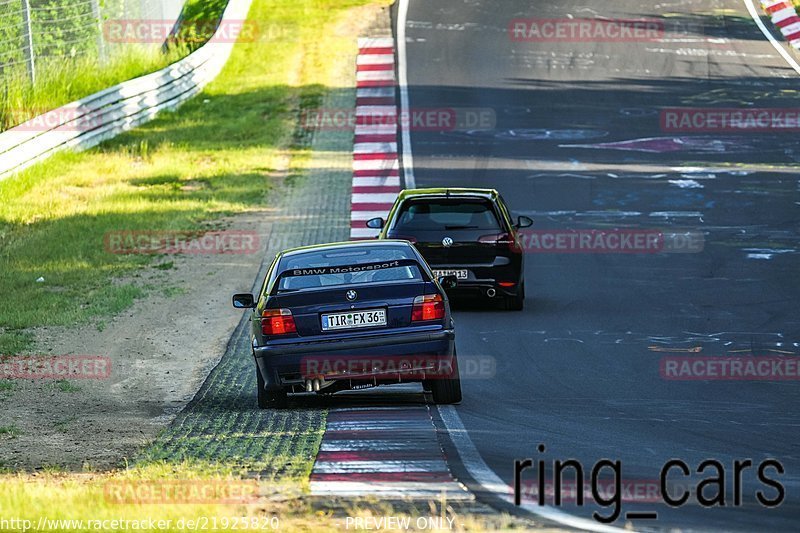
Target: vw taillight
428, 307
277, 322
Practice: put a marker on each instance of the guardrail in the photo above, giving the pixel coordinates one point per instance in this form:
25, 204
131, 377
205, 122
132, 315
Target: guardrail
88, 122
784, 16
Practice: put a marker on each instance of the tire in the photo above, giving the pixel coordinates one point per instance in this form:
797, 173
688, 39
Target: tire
446, 391
269, 400
517, 303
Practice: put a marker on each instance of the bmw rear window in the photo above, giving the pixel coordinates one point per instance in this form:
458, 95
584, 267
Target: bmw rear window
378, 263
446, 214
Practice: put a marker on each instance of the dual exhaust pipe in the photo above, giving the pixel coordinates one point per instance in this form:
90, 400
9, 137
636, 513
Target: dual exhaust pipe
314, 385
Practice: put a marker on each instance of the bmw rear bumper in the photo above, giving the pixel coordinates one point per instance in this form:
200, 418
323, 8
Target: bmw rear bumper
288, 365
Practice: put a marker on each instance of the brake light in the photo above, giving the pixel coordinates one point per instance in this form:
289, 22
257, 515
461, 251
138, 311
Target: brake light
277, 322
502, 238
428, 307
506, 284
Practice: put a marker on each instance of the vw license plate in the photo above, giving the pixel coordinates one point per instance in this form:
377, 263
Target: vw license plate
459, 274
354, 319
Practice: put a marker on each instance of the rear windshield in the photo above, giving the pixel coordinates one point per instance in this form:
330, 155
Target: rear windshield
380, 256
446, 215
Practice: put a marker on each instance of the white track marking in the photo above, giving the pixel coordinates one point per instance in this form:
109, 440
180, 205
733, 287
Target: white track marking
375, 92
375, 42
387, 198
363, 233
402, 72
373, 148
375, 75
375, 129
451, 490
379, 467
377, 164
491, 482
781, 50
376, 181
375, 59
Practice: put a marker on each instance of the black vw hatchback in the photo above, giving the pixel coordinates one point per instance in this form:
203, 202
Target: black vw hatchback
466, 233
352, 315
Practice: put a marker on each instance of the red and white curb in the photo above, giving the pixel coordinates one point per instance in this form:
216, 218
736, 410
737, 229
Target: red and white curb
376, 168
784, 16
385, 452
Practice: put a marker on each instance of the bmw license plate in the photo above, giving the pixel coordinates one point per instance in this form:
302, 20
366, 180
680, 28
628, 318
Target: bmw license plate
354, 319
459, 274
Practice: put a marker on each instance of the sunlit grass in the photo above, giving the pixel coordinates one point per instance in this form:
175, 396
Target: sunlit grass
220, 153
106, 497
66, 79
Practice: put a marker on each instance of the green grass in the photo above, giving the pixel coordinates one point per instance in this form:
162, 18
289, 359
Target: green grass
64, 385
9, 432
14, 341
71, 78
95, 497
219, 154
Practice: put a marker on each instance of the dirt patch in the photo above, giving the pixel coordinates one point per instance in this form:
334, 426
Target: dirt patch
161, 349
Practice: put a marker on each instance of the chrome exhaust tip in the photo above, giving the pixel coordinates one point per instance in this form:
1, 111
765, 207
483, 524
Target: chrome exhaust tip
491, 293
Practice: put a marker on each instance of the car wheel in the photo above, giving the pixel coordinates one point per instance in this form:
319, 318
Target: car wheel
269, 400
517, 302
447, 390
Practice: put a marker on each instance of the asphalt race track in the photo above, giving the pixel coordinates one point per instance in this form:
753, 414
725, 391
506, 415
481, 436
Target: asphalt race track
578, 143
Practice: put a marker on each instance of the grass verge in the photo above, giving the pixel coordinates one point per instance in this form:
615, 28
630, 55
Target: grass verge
125, 502
67, 79
219, 154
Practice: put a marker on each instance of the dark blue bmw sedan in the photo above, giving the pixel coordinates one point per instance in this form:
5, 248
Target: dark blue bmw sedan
349, 316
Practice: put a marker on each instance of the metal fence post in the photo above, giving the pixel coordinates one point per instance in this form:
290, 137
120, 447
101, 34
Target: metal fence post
28, 44
101, 43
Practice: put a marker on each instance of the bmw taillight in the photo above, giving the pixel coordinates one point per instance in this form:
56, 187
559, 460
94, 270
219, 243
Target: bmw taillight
277, 322
506, 239
428, 307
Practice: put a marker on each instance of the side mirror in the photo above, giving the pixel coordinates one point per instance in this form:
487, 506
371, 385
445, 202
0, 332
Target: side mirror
524, 222
448, 282
244, 301
376, 223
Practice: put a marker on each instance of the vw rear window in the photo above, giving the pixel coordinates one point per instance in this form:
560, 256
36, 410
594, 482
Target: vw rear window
446, 215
